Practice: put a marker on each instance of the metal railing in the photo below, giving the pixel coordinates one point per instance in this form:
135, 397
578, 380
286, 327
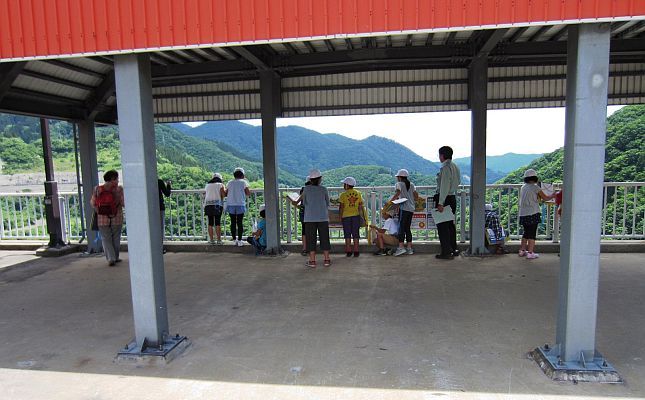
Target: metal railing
22, 214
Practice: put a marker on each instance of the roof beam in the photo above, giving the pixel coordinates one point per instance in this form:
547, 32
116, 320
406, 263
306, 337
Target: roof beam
563, 31
517, 34
100, 96
309, 46
75, 68
632, 29
489, 42
254, 59
429, 39
539, 32
451, 38
8, 74
169, 73
60, 81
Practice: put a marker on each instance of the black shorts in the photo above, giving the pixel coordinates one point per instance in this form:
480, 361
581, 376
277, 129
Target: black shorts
214, 214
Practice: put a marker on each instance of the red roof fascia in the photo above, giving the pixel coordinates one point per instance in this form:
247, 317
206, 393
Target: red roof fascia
49, 28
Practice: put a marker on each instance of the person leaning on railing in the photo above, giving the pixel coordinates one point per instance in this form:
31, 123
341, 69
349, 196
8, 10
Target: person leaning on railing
530, 216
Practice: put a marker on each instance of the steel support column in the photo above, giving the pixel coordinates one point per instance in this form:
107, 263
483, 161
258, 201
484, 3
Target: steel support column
270, 108
575, 355
478, 95
52, 206
137, 137
584, 161
89, 173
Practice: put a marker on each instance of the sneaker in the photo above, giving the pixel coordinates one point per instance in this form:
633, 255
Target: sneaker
234, 242
532, 256
211, 242
219, 242
380, 252
240, 243
310, 264
409, 251
348, 254
522, 253
400, 251
456, 253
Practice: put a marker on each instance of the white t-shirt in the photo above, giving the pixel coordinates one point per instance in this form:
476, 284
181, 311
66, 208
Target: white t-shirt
407, 194
213, 195
529, 199
391, 226
236, 195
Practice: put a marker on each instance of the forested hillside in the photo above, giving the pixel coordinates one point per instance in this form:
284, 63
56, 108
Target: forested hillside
188, 161
624, 152
372, 175
300, 149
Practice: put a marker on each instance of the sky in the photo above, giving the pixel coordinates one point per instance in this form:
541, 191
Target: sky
538, 130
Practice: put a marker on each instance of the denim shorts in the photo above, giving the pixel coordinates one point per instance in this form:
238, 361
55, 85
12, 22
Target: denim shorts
235, 210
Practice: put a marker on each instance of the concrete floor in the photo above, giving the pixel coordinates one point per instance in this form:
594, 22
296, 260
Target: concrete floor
265, 328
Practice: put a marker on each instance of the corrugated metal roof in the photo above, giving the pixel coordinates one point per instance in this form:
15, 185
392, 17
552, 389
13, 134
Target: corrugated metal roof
46, 28
342, 76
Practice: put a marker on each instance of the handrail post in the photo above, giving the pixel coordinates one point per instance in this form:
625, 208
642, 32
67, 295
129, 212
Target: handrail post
462, 217
286, 206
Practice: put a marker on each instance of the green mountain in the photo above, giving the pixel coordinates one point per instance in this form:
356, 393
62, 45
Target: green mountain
187, 160
497, 167
624, 151
372, 175
502, 164
300, 149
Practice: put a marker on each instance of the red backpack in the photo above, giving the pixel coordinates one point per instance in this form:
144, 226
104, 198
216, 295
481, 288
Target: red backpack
106, 202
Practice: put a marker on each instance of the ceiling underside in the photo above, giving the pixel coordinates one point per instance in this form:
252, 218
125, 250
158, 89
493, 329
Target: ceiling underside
363, 75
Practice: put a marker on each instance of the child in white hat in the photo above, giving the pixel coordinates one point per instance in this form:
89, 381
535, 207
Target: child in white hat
351, 208
530, 216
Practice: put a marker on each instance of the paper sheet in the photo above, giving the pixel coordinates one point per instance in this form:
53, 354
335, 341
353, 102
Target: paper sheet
400, 200
547, 188
444, 216
293, 196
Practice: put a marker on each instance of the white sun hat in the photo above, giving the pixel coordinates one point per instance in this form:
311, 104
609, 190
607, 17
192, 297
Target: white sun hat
349, 181
217, 175
239, 169
488, 207
529, 173
402, 172
314, 173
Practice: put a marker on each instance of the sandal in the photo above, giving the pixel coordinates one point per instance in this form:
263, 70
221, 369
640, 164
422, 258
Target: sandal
327, 263
310, 264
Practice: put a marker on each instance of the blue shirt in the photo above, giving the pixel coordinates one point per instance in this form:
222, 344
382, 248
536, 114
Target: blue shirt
262, 224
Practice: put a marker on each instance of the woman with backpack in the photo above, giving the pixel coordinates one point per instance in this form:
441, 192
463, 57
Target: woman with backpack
107, 201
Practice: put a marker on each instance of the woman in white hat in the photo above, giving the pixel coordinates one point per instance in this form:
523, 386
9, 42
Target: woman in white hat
213, 205
529, 212
316, 202
236, 191
405, 190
